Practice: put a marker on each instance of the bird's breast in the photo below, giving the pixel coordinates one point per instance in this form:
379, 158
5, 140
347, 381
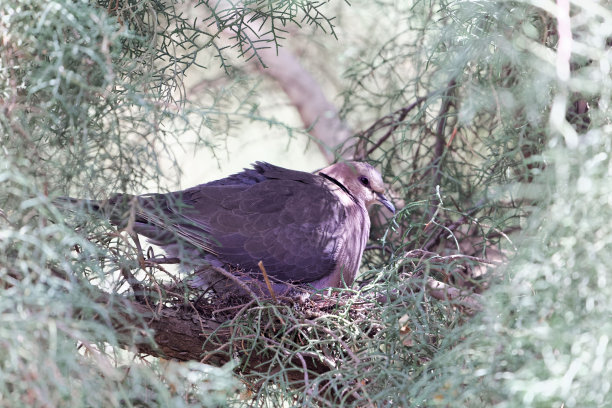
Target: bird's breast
349, 248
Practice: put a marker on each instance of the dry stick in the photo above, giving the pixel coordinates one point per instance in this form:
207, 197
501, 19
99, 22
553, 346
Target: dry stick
140, 256
440, 141
134, 283
225, 309
164, 260
233, 278
158, 265
448, 258
268, 284
453, 226
142, 263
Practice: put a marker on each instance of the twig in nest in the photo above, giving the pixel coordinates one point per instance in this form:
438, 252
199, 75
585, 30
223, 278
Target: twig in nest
379, 248
140, 256
268, 284
163, 260
231, 276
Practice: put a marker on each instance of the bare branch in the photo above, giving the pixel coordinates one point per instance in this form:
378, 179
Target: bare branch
386, 121
319, 116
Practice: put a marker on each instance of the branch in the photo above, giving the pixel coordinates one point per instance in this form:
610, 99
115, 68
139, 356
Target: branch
388, 120
440, 130
454, 225
319, 116
181, 333
170, 333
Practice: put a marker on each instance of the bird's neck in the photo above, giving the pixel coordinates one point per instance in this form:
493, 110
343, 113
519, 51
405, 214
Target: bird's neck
339, 184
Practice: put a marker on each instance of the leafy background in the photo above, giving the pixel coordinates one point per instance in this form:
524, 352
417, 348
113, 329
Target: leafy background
509, 146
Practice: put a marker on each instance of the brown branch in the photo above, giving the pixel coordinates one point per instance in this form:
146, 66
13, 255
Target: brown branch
175, 333
172, 333
448, 258
440, 130
385, 121
320, 117
134, 283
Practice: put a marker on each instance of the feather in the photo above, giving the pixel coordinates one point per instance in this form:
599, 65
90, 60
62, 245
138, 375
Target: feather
307, 229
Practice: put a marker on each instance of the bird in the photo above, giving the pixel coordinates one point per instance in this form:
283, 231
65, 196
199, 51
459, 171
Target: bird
265, 230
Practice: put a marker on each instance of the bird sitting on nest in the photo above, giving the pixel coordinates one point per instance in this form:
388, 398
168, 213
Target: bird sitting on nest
266, 229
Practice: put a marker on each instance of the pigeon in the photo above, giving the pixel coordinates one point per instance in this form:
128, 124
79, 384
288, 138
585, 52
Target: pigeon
265, 230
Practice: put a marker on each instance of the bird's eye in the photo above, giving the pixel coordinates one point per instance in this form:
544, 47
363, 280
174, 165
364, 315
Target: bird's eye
364, 181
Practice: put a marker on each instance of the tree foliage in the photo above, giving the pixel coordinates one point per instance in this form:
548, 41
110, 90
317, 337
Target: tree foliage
489, 119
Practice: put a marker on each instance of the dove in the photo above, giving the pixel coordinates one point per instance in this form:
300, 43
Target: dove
291, 228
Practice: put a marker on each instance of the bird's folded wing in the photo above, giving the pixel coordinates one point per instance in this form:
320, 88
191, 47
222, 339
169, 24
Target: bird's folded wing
294, 226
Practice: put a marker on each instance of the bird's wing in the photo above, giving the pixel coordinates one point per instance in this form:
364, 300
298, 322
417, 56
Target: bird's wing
285, 218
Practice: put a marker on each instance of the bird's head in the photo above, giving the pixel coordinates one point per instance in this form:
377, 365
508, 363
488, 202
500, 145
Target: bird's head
361, 180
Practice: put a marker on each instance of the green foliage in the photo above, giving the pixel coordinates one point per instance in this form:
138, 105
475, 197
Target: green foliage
490, 149
524, 154
542, 338
91, 95
56, 340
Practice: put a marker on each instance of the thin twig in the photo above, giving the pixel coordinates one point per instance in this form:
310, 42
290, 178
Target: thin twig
454, 225
268, 284
449, 258
305, 368
233, 278
379, 248
163, 260
389, 120
134, 283
440, 140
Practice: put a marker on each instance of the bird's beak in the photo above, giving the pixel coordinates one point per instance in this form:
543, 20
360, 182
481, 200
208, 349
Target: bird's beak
385, 201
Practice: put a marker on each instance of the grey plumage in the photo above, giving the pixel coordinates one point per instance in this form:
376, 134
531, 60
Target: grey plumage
307, 229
